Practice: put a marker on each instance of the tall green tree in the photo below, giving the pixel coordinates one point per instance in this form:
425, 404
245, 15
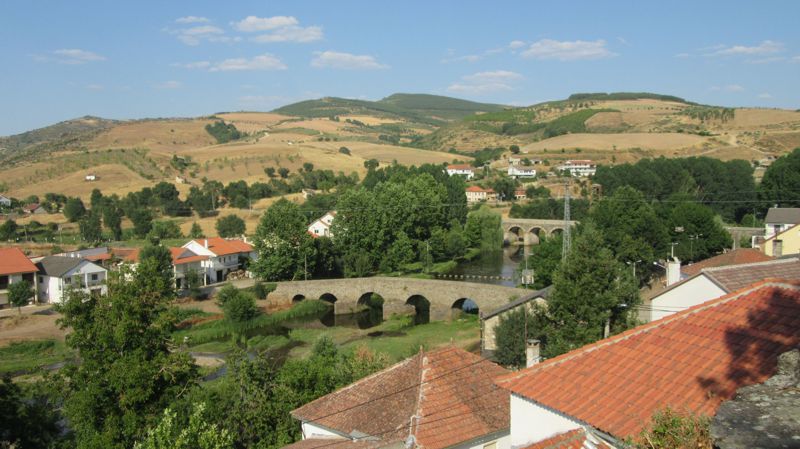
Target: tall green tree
781, 182
19, 293
285, 249
483, 229
112, 219
513, 332
128, 373
28, 419
230, 226
74, 209
142, 221
590, 289
544, 260
696, 229
8, 230
161, 260
196, 231
90, 228
197, 433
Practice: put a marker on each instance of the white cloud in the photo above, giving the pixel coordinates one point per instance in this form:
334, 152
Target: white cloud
291, 34
765, 47
191, 19
515, 45
767, 60
485, 82
727, 88
261, 62
169, 85
347, 61
252, 23
95, 87
567, 50
192, 65
70, 56
765, 96
197, 34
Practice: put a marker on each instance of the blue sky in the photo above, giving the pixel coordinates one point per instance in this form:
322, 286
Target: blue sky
144, 58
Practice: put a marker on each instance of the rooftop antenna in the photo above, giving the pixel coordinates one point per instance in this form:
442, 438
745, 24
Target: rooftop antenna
566, 242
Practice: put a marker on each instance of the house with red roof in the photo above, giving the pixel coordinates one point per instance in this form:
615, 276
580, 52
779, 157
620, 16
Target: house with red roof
465, 170
184, 262
15, 267
476, 194
444, 398
321, 227
733, 257
691, 361
713, 282
223, 256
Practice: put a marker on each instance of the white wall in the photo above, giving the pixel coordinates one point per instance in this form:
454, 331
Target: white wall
502, 441
691, 293
53, 288
531, 423
310, 430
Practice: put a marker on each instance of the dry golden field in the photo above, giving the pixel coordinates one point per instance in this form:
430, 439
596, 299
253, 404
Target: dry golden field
162, 135
597, 141
110, 179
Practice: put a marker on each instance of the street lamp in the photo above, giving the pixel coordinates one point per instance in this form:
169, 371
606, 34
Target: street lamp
634, 266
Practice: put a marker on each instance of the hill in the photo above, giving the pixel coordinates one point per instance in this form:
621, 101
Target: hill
416, 108
69, 133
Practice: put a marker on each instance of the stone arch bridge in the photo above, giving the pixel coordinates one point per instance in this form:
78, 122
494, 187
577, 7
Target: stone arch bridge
404, 296
528, 231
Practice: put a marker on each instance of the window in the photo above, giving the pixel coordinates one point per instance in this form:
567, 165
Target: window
41, 279
3, 282
94, 277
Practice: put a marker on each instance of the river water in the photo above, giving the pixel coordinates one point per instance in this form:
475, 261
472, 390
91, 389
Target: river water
494, 267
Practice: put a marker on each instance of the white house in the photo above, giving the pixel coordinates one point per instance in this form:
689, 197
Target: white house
321, 227
90, 177
14, 267
579, 168
779, 219
5, 201
710, 283
440, 399
605, 393
224, 256
477, 194
57, 274
521, 172
185, 261
461, 169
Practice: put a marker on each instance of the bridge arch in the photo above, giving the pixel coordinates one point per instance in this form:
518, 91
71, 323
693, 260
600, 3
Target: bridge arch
514, 234
328, 297
556, 231
422, 308
464, 306
297, 298
534, 235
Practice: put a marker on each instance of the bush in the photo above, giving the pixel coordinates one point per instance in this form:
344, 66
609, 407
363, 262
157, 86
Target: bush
223, 132
230, 226
344, 150
262, 290
240, 308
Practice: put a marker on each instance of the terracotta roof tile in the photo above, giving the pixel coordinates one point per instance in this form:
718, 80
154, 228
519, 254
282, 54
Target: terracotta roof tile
735, 257
460, 167
572, 439
181, 256
224, 247
14, 261
335, 443
735, 277
449, 392
692, 360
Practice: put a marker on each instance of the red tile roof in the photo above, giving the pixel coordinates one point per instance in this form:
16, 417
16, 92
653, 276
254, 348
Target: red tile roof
130, 255
459, 167
30, 207
224, 247
183, 255
735, 257
337, 443
478, 189
14, 261
693, 360
448, 394
573, 439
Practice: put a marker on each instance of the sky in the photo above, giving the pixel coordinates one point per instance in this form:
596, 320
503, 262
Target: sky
138, 59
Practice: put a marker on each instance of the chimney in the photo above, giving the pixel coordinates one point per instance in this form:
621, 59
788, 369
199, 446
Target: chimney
205, 243
532, 353
673, 271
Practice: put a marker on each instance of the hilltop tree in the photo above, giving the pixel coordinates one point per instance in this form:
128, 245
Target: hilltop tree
283, 172
285, 250
74, 209
230, 226
371, 164
514, 149
308, 166
196, 231
127, 372
590, 289
270, 171
164, 229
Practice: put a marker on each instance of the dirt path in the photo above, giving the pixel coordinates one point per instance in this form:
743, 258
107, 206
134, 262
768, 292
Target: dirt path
39, 325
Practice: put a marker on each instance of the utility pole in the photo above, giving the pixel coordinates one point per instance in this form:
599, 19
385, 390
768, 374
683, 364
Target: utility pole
566, 243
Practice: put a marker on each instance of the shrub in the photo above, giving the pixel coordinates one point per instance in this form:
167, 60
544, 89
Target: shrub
262, 290
344, 150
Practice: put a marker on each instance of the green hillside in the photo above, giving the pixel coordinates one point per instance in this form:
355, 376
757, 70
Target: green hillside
419, 108
54, 137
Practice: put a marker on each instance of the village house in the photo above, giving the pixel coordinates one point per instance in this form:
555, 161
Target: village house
521, 172
321, 227
578, 168
779, 219
710, 283
477, 194
5, 201
100, 255
605, 393
489, 321
461, 169
34, 209
733, 257
57, 274
185, 261
14, 267
514, 160
90, 177
520, 194
440, 399
224, 256
783, 243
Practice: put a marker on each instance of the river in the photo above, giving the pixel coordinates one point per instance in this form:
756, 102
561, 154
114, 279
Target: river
494, 267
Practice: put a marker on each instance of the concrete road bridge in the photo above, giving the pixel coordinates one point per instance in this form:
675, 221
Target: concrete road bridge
529, 231
405, 296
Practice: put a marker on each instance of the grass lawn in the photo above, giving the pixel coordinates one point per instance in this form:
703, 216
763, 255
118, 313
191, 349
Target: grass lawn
29, 355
